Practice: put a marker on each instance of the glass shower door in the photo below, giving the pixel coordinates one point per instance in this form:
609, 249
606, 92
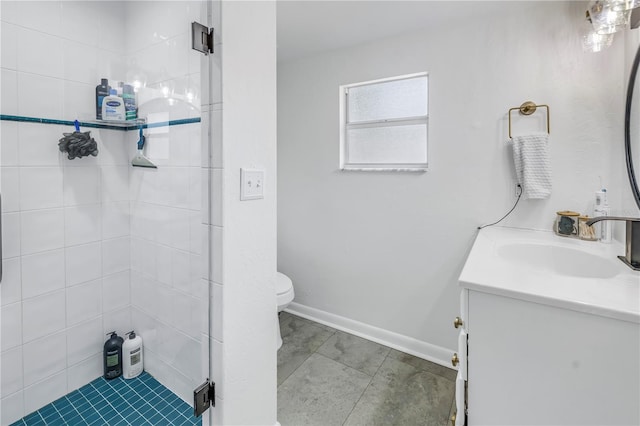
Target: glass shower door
91, 243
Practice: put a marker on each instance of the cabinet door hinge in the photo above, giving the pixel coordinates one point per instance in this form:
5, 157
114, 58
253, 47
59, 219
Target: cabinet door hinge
204, 396
201, 38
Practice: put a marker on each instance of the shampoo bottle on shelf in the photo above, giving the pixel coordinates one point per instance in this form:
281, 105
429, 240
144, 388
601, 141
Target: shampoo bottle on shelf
129, 97
113, 107
102, 91
132, 363
112, 356
601, 208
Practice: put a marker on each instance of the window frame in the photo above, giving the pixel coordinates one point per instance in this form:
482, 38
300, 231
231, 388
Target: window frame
345, 164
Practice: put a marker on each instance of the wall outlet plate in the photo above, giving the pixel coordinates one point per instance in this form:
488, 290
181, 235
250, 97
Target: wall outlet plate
251, 184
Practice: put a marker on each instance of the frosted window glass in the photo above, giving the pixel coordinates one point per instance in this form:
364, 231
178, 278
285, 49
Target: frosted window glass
388, 100
388, 145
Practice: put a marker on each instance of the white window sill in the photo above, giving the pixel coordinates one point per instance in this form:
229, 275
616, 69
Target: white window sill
384, 169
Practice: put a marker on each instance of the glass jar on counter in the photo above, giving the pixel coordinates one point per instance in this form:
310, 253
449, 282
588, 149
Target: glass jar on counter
586, 232
566, 223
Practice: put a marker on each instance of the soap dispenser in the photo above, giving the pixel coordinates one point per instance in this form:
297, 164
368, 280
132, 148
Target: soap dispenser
132, 364
112, 356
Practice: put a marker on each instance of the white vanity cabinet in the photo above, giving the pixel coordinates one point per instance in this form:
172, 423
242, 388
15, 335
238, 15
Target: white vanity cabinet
537, 364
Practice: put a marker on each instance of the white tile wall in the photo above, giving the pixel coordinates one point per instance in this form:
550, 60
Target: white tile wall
72, 270
43, 273
44, 357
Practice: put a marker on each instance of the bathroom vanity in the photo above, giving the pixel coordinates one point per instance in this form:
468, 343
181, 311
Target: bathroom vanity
549, 332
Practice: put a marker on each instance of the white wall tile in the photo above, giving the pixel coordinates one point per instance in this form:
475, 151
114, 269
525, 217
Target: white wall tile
115, 183
216, 138
195, 233
11, 241
40, 96
82, 224
216, 312
11, 366
181, 273
195, 189
10, 187
216, 366
80, 102
83, 263
115, 220
84, 340
11, 326
40, 53
144, 220
44, 357
186, 358
40, 188
118, 320
165, 264
80, 62
180, 189
12, 408
9, 95
143, 257
45, 392
82, 373
81, 185
11, 287
179, 146
116, 148
205, 137
216, 254
9, 132
39, 144
115, 255
43, 315
84, 302
41, 230
43, 273
116, 291
180, 229
80, 21
39, 15
216, 196
9, 39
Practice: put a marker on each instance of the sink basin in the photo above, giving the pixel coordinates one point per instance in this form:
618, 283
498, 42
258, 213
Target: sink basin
558, 259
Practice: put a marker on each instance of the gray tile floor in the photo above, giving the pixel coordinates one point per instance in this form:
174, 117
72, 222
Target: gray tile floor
327, 377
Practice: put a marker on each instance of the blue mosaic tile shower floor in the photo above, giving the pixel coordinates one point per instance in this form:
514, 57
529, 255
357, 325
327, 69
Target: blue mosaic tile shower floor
117, 402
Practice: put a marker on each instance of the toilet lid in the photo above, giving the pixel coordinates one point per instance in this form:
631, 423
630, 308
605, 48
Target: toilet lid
283, 283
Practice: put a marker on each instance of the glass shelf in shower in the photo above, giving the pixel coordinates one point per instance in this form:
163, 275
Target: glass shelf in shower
102, 124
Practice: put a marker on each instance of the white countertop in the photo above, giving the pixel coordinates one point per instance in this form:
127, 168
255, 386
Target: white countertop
488, 271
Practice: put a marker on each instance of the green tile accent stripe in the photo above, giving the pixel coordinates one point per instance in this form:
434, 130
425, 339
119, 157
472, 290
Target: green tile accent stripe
142, 401
136, 126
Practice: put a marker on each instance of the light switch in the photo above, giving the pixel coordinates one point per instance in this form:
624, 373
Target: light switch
251, 184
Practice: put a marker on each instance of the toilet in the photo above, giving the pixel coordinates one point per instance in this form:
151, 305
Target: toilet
284, 296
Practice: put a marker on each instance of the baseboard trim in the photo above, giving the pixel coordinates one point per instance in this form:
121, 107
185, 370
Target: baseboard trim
415, 347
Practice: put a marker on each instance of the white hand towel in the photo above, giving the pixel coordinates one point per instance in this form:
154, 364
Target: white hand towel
533, 169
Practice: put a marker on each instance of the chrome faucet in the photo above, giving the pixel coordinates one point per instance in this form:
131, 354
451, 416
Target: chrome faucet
632, 243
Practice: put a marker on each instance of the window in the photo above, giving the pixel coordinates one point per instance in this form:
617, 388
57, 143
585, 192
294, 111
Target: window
384, 124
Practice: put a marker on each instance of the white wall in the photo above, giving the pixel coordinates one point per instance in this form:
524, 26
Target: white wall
65, 222
386, 249
249, 227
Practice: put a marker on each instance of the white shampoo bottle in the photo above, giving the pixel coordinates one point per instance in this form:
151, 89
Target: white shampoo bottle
132, 361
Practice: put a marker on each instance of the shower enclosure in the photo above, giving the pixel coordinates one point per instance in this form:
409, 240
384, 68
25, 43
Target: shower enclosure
93, 245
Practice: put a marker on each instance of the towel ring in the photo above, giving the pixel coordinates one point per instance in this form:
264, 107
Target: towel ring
528, 108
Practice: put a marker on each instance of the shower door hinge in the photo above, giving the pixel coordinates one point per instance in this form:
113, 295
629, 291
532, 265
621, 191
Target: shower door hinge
201, 38
204, 396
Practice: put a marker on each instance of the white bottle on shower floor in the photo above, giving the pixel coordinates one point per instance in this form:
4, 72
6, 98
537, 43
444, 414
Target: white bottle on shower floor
132, 361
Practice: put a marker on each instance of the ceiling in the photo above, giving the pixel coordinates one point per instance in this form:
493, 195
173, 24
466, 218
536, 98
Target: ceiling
311, 26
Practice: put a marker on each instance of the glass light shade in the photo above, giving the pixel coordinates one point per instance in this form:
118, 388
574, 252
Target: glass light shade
619, 5
605, 20
594, 42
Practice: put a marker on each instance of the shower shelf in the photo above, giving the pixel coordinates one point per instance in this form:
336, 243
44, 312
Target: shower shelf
102, 124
